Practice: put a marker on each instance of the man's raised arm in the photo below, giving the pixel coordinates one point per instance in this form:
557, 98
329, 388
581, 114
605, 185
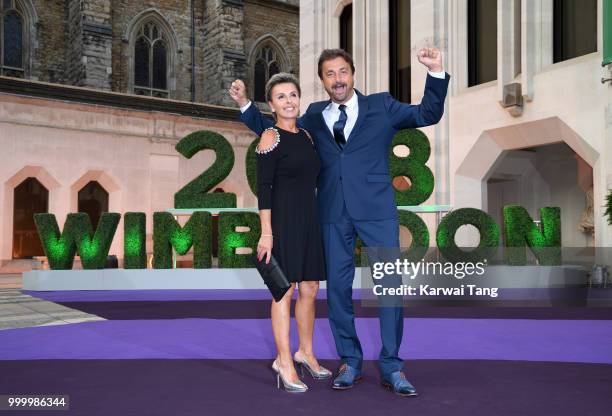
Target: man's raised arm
431, 108
250, 114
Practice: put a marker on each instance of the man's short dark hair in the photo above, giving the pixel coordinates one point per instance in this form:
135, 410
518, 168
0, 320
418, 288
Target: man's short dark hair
329, 54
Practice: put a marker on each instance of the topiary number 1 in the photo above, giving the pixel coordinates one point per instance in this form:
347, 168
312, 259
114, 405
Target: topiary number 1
195, 193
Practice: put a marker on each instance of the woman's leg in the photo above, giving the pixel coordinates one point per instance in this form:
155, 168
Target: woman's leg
305, 316
281, 318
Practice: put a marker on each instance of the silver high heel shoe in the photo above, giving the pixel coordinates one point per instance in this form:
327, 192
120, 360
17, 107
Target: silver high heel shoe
322, 374
298, 387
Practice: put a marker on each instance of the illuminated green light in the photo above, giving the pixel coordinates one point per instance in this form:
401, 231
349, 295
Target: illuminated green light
89, 249
57, 247
132, 243
181, 241
235, 240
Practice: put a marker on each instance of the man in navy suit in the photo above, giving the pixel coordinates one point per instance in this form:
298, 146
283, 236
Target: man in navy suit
353, 134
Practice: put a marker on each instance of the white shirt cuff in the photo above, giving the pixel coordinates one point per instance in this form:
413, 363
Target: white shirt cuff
245, 107
441, 75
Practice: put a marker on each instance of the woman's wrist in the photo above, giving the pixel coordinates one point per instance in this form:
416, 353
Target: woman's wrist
267, 235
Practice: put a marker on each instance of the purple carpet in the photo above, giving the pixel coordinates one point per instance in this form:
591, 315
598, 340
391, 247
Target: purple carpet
181, 352
248, 387
485, 339
260, 309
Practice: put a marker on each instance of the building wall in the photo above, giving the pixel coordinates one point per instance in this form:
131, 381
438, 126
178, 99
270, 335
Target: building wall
51, 53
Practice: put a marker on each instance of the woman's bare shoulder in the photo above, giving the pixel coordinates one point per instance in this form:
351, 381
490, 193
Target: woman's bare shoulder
269, 141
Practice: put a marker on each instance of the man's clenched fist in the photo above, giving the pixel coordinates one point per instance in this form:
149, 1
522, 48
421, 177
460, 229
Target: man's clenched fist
431, 58
238, 93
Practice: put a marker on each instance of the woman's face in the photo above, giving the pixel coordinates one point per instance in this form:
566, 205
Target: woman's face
285, 100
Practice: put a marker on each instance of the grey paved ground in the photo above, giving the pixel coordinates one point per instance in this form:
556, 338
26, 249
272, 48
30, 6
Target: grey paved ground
20, 311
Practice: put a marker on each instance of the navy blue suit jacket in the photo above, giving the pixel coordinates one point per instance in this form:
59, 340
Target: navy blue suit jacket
358, 175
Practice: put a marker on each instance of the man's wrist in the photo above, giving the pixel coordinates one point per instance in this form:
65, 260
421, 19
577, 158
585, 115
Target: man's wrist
441, 74
245, 107
436, 68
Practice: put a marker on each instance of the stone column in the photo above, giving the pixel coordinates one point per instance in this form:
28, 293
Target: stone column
90, 54
224, 58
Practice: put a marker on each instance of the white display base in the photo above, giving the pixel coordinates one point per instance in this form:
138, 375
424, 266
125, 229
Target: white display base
137, 279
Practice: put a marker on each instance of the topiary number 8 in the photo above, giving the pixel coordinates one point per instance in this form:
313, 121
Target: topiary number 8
413, 166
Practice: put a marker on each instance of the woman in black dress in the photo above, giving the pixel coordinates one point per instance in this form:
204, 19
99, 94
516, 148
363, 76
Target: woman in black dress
287, 170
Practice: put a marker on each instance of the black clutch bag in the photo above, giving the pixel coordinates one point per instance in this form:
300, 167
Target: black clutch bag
272, 276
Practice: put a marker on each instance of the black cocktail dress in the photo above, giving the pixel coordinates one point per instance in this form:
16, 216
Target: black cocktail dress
286, 183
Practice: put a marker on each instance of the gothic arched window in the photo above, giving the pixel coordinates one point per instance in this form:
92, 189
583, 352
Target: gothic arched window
151, 62
267, 63
11, 39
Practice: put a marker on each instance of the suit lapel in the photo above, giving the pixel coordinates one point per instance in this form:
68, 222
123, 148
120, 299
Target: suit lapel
322, 126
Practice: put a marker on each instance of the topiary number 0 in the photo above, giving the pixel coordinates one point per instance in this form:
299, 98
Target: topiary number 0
194, 194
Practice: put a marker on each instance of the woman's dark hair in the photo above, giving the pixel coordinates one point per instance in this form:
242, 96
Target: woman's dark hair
329, 54
281, 78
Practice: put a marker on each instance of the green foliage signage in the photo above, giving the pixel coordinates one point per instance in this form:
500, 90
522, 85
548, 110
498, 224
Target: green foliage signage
489, 235
242, 229
544, 241
230, 238
168, 234
413, 166
134, 241
420, 235
77, 236
251, 166
194, 194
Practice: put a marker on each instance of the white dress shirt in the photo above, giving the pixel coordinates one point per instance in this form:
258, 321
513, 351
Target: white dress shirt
331, 113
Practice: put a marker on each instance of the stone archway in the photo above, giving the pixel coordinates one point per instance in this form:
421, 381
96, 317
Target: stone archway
45, 179
470, 187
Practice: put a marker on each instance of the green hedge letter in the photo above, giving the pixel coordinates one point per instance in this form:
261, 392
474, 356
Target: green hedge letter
76, 236
521, 231
134, 235
420, 235
168, 233
230, 239
489, 235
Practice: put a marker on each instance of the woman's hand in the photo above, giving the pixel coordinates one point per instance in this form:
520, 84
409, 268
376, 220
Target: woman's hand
264, 248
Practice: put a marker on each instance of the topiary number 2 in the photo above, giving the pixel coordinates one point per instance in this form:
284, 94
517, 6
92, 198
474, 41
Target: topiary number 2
195, 193
413, 166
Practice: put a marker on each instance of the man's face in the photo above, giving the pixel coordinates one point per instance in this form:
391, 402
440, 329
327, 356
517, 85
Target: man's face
338, 80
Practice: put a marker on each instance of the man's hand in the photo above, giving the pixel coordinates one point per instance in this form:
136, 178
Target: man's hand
238, 93
431, 58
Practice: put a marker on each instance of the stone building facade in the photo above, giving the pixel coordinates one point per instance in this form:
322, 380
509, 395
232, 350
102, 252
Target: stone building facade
206, 43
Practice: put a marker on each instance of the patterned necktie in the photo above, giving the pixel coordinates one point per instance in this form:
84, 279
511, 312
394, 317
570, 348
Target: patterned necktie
339, 127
